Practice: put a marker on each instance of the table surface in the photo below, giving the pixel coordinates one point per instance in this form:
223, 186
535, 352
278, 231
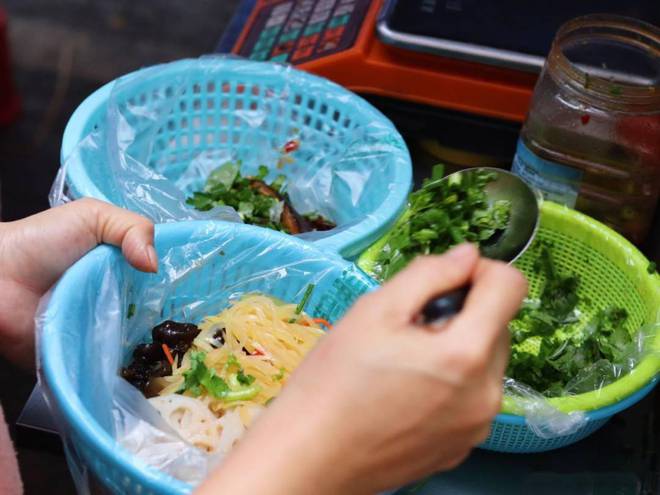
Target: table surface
63, 51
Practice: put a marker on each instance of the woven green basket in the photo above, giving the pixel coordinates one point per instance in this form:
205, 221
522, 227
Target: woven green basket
612, 273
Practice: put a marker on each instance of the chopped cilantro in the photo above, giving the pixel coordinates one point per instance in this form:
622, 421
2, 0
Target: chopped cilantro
562, 355
443, 213
232, 361
225, 186
200, 378
244, 379
131, 311
255, 201
263, 172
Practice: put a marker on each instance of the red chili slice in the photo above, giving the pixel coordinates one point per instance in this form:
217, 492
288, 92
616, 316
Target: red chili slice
291, 146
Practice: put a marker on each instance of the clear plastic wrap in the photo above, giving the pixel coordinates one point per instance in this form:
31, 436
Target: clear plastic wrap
104, 308
544, 415
149, 140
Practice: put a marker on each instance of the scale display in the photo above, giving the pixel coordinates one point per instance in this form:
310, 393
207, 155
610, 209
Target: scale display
297, 31
522, 27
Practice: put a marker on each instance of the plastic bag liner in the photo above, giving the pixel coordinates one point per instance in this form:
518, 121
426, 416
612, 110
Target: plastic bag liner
546, 420
102, 308
148, 140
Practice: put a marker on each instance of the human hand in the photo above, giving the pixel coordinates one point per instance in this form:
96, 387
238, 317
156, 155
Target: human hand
36, 251
381, 401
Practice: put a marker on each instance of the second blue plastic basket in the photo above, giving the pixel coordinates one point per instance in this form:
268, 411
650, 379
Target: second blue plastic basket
212, 103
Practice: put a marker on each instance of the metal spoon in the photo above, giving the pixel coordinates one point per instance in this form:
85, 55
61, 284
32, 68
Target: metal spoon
508, 246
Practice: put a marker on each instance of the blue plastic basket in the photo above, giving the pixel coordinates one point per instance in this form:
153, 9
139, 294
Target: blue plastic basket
510, 433
208, 92
68, 374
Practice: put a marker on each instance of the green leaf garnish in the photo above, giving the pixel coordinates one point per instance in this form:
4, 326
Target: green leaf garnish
303, 302
440, 215
564, 347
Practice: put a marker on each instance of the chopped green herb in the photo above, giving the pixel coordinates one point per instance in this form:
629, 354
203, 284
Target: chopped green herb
255, 201
232, 361
244, 379
564, 348
226, 186
280, 375
131, 311
263, 172
303, 302
200, 378
443, 213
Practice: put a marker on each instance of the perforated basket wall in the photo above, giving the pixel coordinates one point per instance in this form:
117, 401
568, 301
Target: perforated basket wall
177, 111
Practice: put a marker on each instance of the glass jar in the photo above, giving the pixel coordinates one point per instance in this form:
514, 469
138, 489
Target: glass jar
591, 139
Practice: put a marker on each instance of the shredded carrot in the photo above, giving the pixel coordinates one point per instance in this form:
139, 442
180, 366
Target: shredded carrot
324, 322
168, 354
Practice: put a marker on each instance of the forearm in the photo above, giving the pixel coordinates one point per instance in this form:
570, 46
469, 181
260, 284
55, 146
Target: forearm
17, 306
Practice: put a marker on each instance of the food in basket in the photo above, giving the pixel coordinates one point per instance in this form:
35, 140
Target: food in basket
255, 201
552, 344
555, 346
442, 214
210, 382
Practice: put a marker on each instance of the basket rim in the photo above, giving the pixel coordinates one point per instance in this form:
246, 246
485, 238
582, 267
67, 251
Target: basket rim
644, 376
52, 357
348, 241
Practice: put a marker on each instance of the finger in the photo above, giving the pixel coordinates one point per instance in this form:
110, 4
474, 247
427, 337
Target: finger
500, 359
495, 297
427, 277
132, 232
481, 435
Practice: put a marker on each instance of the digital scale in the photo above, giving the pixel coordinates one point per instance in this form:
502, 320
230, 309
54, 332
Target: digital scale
455, 76
472, 56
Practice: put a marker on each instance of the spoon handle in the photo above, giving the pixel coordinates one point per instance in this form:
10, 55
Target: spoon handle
440, 309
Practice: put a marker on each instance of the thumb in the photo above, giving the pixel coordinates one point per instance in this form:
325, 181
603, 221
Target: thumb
132, 232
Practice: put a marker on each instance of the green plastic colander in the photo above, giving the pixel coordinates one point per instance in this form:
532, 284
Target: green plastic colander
612, 273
